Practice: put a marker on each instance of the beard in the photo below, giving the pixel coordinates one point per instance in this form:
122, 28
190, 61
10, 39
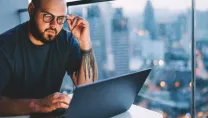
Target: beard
44, 37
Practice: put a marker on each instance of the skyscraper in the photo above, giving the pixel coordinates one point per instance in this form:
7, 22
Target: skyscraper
97, 35
120, 42
149, 20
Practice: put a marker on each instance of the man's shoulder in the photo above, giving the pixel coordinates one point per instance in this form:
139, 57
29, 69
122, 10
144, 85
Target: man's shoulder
8, 37
14, 30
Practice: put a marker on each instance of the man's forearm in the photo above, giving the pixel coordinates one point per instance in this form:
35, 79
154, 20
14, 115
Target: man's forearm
88, 72
9, 107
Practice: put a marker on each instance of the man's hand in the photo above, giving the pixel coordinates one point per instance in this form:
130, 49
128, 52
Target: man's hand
80, 30
52, 102
88, 72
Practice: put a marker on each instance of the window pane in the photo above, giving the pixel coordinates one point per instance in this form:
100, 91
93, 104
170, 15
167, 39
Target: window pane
133, 35
201, 58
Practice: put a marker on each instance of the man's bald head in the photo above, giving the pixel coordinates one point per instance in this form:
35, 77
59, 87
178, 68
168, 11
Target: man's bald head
37, 3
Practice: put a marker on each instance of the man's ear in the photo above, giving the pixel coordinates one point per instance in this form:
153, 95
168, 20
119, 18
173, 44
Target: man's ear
31, 9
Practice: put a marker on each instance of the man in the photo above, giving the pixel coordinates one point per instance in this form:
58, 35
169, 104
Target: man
35, 55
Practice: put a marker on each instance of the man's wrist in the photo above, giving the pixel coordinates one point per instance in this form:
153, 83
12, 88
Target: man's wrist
34, 106
85, 45
85, 52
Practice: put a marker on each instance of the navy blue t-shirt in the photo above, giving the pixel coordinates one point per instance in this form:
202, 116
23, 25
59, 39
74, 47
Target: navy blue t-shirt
31, 71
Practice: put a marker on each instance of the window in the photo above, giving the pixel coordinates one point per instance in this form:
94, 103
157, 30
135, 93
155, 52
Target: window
134, 35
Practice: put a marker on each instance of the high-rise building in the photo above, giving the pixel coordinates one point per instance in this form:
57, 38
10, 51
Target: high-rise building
177, 28
97, 34
162, 30
149, 20
120, 42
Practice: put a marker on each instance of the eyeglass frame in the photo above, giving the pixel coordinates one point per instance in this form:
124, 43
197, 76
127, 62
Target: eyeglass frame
53, 17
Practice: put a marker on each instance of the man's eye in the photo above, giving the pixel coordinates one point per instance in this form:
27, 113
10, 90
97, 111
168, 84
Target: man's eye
61, 18
48, 15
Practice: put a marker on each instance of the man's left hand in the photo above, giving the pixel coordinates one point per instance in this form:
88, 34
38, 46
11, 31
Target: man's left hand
79, 28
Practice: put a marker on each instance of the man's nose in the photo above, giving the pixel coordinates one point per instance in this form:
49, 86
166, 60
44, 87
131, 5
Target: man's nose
53, 22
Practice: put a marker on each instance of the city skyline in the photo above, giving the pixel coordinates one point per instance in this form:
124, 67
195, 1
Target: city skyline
172, 5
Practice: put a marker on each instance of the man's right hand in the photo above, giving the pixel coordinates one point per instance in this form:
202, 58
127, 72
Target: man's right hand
52, 102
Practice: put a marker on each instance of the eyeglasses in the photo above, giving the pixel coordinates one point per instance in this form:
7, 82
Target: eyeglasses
47, 18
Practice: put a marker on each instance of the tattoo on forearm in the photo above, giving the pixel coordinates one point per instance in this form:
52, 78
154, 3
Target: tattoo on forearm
77, 75
88, 64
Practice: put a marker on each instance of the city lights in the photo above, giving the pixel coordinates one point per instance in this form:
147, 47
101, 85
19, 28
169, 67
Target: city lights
162, 84
161, 63
155, 62
177, 84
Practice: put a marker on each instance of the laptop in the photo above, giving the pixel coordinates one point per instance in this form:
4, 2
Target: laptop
107, 98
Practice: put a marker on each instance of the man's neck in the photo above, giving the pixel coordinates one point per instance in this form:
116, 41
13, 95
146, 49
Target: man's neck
32, 38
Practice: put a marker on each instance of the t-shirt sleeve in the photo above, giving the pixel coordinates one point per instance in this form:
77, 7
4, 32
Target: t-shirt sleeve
74, 56
5, 71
